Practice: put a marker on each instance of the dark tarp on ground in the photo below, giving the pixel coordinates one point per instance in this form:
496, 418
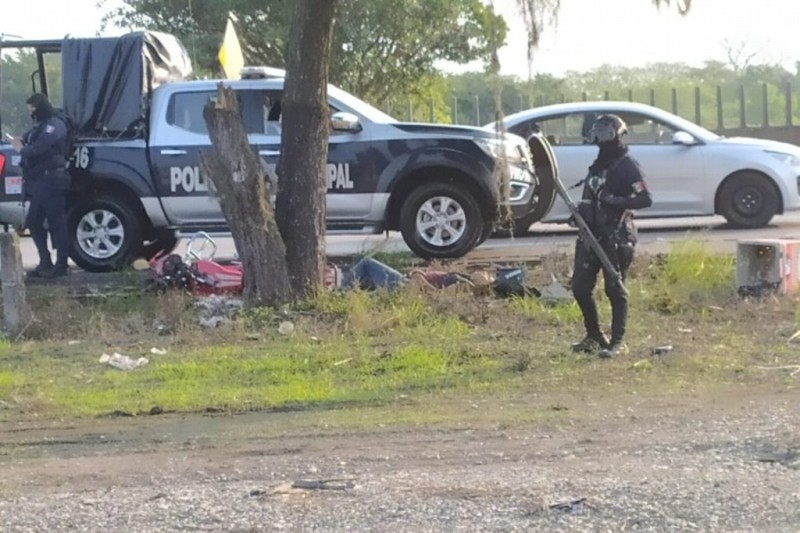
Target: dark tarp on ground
107, 81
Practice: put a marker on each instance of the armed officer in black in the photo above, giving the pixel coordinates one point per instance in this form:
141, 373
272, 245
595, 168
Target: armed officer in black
614, 187
44, 159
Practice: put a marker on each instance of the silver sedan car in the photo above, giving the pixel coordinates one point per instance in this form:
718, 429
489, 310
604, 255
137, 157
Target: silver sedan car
690, 170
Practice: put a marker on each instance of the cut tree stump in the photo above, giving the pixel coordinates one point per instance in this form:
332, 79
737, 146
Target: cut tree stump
16, 313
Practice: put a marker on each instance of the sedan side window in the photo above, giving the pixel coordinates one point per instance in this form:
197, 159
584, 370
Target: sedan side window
643, 129
559, 130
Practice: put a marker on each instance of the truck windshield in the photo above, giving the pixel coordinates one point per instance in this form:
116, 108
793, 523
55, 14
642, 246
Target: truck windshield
373, 114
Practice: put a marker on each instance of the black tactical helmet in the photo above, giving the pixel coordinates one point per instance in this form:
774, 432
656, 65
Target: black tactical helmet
607, 128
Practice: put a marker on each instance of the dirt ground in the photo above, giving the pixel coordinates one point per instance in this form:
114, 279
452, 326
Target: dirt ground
721, 460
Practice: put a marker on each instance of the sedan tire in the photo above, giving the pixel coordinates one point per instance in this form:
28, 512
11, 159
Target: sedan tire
748, 200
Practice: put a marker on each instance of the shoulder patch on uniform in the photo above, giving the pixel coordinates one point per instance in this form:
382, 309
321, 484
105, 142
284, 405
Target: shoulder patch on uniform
50, 128
639, 186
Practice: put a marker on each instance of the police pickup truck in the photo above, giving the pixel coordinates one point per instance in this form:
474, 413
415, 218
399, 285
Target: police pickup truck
133, 196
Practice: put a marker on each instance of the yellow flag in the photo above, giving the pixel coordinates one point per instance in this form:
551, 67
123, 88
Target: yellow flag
230, 53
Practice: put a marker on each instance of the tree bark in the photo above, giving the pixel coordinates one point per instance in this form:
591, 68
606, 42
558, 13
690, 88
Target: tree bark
302, 187
236, 173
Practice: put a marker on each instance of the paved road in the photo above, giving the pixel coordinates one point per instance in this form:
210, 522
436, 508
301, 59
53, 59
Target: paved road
655, 236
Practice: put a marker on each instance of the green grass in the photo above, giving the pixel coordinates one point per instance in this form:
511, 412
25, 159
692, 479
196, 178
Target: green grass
235, 377
689, 276
357, 348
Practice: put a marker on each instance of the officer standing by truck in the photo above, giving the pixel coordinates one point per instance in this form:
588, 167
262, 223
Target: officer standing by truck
614, 187
44, 160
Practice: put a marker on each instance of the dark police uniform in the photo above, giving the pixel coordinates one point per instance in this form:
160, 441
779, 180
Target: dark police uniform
44, 161
616, 186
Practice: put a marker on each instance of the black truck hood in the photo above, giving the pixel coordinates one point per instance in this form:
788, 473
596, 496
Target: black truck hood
441, 129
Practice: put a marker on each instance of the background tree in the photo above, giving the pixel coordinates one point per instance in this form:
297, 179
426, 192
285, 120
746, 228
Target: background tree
381, 47
282, 256
16, 69
306, 122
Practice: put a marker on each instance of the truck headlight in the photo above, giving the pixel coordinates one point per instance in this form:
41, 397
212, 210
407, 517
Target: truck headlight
502, 149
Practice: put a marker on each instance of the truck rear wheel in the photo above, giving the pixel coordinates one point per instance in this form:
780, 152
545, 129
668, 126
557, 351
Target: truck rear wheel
440, 220
105, 234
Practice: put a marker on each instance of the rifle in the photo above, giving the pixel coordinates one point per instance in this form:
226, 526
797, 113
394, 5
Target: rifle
587, 235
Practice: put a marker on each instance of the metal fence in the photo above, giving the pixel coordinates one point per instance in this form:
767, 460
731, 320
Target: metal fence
719, 107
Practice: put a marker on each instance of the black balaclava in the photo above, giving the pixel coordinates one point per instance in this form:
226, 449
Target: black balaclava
42, 107
610, 128
609, 152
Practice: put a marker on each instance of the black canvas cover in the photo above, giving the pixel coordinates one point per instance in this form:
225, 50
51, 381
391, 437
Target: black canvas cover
107, 81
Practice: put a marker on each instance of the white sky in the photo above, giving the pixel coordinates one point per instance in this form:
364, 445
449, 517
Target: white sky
589, 32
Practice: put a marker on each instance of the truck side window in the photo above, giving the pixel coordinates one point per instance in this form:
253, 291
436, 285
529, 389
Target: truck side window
185, 111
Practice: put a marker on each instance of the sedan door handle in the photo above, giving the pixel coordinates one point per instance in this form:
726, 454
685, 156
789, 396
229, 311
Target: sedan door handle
269, 152
173, 152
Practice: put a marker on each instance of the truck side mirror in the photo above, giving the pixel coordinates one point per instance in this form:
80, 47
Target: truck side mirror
347, 122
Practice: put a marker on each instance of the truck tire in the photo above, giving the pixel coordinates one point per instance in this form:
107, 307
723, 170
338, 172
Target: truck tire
748, 200
105, 234
440, 220
164, 242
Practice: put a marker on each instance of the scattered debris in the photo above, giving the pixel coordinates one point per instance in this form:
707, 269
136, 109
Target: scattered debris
216, 309
324, 484
158, 351
760, 289
123, 362
343, 361
684, 330
572, 507
784, 456
212, 322
555, 292
794, 336
642, 364
73, 343
162, 328
795, 369
286, 328
661, 350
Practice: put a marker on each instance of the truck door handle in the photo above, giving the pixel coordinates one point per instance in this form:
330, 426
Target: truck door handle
173, 152
269, 152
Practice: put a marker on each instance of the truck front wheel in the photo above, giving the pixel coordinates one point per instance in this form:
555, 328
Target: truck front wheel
105, 234
440, 220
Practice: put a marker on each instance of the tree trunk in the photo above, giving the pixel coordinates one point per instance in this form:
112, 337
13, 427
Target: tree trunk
300, 207
235, 170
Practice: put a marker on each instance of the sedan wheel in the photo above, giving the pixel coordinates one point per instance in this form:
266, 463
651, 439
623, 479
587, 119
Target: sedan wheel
748, 200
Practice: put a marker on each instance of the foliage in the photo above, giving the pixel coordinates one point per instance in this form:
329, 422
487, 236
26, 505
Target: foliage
17, 68
689, 277
468, 97
380, 47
